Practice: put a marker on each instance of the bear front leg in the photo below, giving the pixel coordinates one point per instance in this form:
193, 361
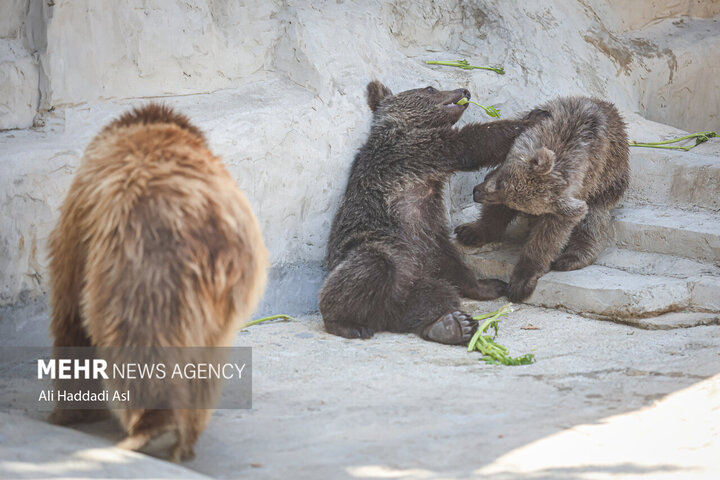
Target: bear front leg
489, 228
480, 145
459, 274
546, 241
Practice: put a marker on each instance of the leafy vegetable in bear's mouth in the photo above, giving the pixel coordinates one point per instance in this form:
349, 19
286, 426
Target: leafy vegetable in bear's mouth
465, 66
494, 353
491, 111
265, 319
700, 137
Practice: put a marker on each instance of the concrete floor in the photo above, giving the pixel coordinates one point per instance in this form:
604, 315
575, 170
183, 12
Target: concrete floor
602, 401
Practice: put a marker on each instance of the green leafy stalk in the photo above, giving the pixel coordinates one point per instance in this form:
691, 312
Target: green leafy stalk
491, 111
493, 352
700, 137
265, 319
466, 66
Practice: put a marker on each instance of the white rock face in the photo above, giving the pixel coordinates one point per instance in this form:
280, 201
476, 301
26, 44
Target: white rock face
279, 89
19, 76
154, 48
19, 94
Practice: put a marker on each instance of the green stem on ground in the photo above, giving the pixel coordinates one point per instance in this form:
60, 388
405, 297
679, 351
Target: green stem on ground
666, 147
265, 319
700, 137
493, 352
465, 66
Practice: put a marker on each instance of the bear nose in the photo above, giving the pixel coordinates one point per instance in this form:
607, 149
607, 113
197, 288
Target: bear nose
465, 92
478, 194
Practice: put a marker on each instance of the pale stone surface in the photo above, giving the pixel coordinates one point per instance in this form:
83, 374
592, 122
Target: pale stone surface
293, 110
670, 231
155, 48
705, 293
31, 449
639, 445
655, 264
19, 95
279, 89
399, 407
673, 320
610, 292
679, 179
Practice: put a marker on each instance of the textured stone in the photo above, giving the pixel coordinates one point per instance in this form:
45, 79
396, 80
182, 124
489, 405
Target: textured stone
30, 449
19, 94
610, 292
694, 235
309, 421
678, 179
293, 110
670, 321
705, 293
621, 284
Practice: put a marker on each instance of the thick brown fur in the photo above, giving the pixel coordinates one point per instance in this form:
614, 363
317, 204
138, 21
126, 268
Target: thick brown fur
155, 246
566, 172
392, 265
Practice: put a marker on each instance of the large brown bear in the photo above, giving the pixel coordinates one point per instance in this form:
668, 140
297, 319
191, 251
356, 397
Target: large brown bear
392, 264
155, 246
566, 172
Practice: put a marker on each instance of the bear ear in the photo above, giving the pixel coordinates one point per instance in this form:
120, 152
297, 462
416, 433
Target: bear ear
376, 91
543, 161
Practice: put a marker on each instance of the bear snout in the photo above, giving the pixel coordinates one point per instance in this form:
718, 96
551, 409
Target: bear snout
465, 92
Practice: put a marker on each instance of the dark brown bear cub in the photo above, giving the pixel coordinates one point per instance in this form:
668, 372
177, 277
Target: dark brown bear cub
392, 265
566, 172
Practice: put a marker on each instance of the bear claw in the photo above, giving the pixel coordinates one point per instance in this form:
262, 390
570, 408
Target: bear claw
363, 332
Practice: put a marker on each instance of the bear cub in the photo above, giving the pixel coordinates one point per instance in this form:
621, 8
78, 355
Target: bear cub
392, 266
566, 173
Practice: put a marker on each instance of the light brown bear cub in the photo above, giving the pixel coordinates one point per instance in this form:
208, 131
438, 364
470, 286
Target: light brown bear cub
566, 172
155, 246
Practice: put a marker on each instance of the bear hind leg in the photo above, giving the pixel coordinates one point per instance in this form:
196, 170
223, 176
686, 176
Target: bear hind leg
587, 240
362, 294
432, 311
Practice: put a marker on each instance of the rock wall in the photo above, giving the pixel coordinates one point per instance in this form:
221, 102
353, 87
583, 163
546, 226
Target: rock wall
279, 88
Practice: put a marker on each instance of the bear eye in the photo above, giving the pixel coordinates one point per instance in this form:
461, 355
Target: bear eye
430, 90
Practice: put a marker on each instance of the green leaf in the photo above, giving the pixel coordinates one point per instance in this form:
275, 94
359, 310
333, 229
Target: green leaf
494, 353
265, 319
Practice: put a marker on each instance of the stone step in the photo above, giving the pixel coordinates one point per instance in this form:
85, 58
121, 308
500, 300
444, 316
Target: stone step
622, 284
674, 178
694, 235
670, 231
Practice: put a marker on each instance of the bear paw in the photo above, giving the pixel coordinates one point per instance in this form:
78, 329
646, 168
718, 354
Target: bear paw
349, 331
470, 235
569, 261
520, 290
454, 328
